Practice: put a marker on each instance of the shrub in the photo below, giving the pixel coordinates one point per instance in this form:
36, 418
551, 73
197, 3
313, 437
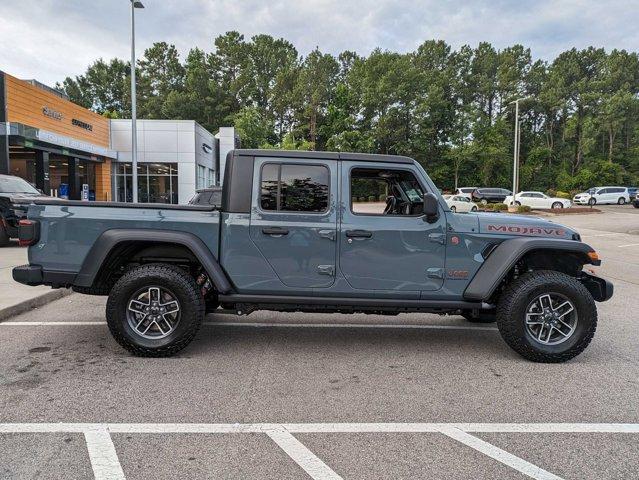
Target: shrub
560, 194
354, 200
382, 197
362, 199
372, 198
500, 207
523, 209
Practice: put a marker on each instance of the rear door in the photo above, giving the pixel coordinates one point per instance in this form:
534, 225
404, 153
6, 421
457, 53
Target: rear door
294, 219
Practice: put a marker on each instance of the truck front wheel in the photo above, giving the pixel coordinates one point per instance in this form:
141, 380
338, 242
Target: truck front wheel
155, 310
547, 316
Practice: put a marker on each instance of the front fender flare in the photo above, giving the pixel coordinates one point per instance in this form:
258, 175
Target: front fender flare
110, 238
507, 254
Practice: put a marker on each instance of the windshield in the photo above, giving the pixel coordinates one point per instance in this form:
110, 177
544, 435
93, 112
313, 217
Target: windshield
16, 185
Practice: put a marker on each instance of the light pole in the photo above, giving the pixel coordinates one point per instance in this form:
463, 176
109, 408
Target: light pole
134, 131
516, 149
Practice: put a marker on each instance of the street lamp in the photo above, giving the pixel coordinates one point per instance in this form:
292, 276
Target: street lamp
516, 148
134, 137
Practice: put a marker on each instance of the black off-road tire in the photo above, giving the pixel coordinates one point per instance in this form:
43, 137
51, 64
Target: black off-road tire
5, 241
480, 317
166, 276
511, 315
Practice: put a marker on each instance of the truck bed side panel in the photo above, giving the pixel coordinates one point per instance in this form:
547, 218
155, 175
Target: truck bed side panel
67, 233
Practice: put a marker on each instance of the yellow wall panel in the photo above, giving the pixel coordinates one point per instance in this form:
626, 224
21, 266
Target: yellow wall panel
26, 104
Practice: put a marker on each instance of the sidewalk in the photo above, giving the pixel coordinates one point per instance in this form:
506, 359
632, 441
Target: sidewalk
16, 298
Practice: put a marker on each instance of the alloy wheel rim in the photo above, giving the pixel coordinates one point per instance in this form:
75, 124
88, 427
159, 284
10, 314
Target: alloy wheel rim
153, 312
551, 319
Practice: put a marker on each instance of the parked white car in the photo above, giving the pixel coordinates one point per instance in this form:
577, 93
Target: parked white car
460, 203
602, 195
538, 200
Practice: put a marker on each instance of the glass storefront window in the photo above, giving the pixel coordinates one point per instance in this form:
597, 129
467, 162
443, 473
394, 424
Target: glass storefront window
157, 182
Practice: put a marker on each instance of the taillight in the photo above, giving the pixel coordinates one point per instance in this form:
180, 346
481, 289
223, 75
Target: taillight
28, 232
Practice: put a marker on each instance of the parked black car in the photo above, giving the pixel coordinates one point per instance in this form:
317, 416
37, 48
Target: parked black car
490, 195
207, 196
12, 188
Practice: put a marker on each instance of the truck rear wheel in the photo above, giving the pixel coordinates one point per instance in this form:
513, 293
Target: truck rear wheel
155, 310
547, 316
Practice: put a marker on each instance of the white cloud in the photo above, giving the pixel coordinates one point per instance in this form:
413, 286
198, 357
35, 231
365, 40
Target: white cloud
50, 39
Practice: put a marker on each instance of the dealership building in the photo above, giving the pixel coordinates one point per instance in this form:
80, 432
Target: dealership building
66, 150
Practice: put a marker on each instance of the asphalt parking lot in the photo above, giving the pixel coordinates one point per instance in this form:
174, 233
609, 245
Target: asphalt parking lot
326, 396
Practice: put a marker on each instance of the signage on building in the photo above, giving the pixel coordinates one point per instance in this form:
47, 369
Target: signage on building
81, 124
72, 143
51, 113
85, 192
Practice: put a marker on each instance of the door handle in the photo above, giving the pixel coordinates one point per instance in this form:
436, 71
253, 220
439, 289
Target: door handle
358, 234
275, 231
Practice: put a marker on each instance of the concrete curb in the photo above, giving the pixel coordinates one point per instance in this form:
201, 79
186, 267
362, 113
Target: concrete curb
34, 302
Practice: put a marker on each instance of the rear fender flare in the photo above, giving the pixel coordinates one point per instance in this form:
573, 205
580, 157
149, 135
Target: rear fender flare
504, 257
109, 239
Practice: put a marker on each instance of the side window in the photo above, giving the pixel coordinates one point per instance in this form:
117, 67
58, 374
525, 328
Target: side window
294, 188
602, 191
378, 191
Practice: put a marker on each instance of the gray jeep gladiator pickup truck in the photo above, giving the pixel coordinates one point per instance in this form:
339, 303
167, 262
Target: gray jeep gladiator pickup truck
289, 236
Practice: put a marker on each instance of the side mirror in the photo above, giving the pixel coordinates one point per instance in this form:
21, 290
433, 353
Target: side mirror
431, 207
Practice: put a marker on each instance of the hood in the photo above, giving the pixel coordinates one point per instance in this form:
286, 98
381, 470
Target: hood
20, 196
506, 224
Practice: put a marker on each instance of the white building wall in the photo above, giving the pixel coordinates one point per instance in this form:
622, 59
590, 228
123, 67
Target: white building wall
228, 139
167, 141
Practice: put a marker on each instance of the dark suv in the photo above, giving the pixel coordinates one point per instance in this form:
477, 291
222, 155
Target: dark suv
12, 188
490, 195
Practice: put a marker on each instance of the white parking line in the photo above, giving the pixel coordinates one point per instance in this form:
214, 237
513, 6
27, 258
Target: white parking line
498, 454
628, 245
102, 454
306, 459
270, 325
107, 466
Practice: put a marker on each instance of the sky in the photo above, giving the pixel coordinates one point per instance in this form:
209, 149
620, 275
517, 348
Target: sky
51, 39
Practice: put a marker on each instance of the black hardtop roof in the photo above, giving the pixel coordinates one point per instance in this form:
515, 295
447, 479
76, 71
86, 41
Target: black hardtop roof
360, 157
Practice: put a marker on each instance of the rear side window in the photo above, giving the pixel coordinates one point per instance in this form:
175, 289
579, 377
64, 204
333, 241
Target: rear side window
294, 188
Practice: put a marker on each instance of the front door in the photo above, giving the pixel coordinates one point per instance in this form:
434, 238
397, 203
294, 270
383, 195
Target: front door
385, 242
294, 219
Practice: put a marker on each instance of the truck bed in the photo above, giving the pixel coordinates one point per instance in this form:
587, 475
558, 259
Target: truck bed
69, 229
